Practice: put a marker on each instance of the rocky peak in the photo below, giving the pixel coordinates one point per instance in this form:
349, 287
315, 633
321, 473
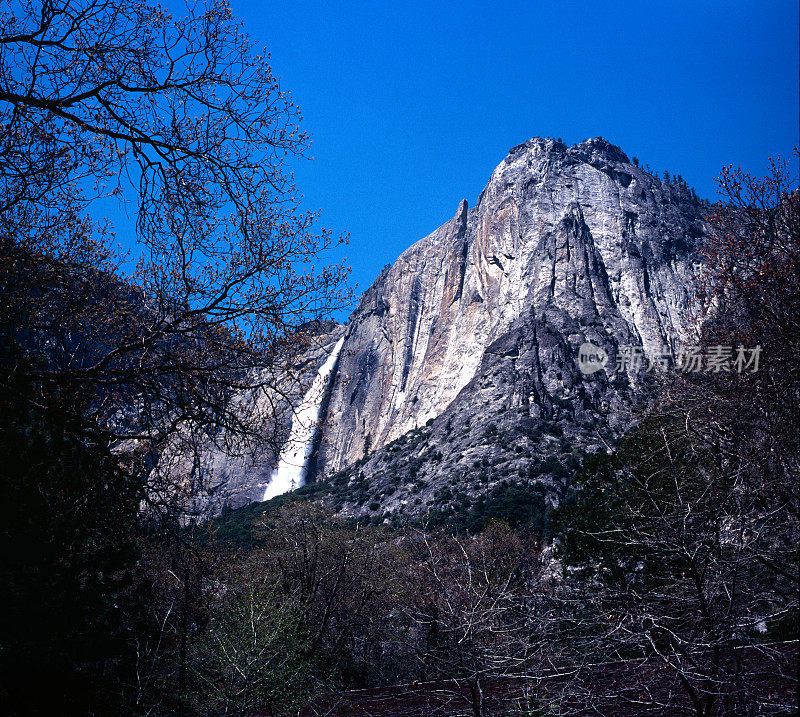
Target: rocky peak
575, 238
459, 367
597, 151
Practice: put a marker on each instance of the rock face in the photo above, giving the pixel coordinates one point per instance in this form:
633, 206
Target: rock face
460, 369
484, 317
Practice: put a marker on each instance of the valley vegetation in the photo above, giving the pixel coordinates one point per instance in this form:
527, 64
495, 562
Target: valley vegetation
664, 582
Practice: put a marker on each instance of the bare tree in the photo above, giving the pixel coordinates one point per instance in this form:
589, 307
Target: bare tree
250, 654
691, 529
472, 609
177, 117
348, 583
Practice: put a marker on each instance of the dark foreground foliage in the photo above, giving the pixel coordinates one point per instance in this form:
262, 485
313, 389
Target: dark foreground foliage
66, 518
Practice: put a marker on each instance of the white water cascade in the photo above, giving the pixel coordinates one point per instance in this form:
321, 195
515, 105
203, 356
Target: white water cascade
293, 462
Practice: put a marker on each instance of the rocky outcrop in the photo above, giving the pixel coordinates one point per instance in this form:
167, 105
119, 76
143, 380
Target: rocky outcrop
565, 245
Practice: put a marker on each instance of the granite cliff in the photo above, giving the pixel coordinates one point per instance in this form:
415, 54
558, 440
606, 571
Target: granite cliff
460, 364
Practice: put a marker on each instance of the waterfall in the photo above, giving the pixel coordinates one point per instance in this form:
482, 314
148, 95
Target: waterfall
293, 462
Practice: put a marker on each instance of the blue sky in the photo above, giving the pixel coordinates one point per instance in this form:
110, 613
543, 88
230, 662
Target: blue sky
411, 105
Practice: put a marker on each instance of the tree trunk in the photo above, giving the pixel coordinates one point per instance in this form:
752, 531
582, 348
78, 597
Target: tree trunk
478, 700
